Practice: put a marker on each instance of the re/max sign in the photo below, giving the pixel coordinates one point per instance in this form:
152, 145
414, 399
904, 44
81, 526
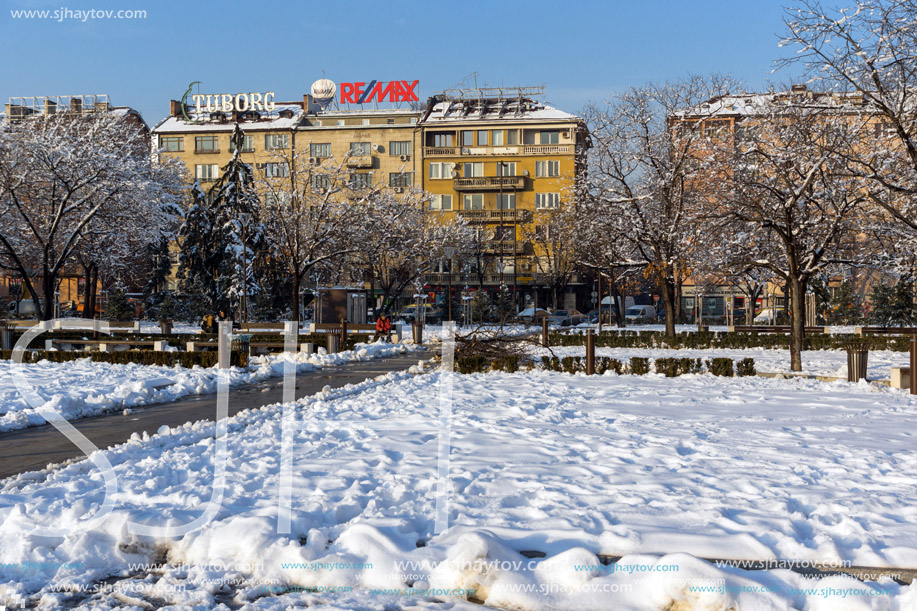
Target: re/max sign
379, 91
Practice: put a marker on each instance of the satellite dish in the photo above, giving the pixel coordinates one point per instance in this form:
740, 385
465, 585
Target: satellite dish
323, 91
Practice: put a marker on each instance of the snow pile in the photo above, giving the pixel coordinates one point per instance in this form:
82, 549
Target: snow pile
546, 472
83, 388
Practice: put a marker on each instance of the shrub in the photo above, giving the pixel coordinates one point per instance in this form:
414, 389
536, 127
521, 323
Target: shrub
604, 363
570, 364
720, 367
471, 364
746, 367
639, 365
145, 357
667, 366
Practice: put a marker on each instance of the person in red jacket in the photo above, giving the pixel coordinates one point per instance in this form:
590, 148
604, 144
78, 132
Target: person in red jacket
383, 327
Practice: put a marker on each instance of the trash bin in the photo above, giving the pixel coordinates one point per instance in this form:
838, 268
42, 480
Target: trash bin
418, 333
857, 355
6, 337
334, 342
165, 326
241, 346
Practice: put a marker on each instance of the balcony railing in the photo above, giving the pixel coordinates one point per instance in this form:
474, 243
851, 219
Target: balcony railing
495, 216
360, 161
506, 247
206, 151
489, 183
441, 151
547, 149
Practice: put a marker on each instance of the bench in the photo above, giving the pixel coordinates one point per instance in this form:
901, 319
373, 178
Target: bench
306, 347
901, 377
886, 330
274, 328
396, 332
106, 345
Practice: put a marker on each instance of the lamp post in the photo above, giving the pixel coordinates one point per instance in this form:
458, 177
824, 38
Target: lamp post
244, 219
449, 251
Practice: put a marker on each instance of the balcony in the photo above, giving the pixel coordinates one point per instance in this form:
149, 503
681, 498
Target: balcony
475, 217
360, 161
547, 149
442, 278
441, 151
206, 151
506, 247
490, 183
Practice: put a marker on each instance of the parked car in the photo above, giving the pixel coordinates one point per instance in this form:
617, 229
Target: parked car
532, 314
26, 307
640, 314
566, 318
769, 316
409, 313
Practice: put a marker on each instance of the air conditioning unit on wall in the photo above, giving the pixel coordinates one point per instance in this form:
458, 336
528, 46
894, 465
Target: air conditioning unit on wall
399, 189
405, 158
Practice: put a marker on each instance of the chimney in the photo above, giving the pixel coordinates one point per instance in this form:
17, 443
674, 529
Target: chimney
175, 108
76, 105
800, 88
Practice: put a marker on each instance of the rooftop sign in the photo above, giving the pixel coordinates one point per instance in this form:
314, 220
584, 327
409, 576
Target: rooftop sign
379, 91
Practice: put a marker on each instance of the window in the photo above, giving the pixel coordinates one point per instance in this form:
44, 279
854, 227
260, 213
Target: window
473, 201
549, 137
280, 198
206, 171
248, 144
440, 170
547, 168
545, 201
321, 182
321, 149
341, 122
504, 234
497, 136
473, 170
506, 168
883, 129
468, 138
172, 144
361, 180
276, 141
441, 202
715, 129
482, 137
206, 144
360, 149
512, 136
364, 122
277, 170
390, 121
441, 139
506, 201
401, 147
400, 179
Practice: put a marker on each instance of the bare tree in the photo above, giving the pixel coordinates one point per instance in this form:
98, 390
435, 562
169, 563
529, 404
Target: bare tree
793, 189
650, 172
868, 49
63, 177
555, 236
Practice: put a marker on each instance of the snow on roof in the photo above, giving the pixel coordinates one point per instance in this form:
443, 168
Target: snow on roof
752, 104
203, 123
492, 109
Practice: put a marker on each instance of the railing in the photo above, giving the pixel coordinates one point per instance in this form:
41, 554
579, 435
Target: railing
438, 277
489, 183
507, 247
547, 149
494, 216
206, 151
441, 151
360, 161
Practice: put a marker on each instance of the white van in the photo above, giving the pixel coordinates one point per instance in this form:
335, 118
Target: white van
640, 314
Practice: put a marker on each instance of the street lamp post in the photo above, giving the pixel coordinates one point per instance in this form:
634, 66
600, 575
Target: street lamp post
449, 251
244, 219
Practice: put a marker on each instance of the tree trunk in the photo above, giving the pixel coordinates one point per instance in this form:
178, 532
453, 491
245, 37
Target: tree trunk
48, 286
93, 289
797, 322
667, 289
297, 283
87, 290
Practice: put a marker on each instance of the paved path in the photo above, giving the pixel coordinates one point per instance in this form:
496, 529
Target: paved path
34, 448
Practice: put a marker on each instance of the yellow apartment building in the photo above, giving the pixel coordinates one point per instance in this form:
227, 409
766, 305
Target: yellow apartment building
503, 161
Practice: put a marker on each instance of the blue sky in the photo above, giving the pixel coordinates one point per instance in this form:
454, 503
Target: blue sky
581, 51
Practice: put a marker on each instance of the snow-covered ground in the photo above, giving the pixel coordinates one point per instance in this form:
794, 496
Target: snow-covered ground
831, 363
658, 470
82, 388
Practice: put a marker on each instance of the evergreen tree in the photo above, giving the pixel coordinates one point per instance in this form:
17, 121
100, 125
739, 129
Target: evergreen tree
842, 308
198, 260
118, 308
893, 306
234, 197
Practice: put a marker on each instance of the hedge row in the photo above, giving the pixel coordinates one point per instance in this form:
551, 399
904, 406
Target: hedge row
670, 367
719, 339
180, 339
145, 357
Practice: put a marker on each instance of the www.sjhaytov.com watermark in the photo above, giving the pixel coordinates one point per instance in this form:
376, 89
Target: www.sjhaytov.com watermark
63, 14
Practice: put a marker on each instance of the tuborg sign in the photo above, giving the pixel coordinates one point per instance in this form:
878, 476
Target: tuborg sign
227, 102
